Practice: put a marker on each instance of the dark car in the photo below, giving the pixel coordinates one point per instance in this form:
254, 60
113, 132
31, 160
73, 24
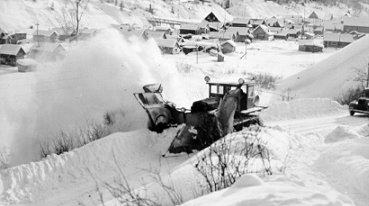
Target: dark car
361, 105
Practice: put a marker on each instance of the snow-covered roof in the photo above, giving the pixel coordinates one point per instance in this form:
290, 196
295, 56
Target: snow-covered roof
221, 17
338, 37
156, 34
240, 20
44, 33
26, 62
257, 21
310, 43
48, 47
190, 27
168, 43
230, 42
313, 15
239, 30
10, 49
356, 21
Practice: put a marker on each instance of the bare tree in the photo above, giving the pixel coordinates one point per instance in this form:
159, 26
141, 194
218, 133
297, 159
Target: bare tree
79, 9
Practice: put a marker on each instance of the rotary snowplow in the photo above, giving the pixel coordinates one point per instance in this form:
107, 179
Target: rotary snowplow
230, 106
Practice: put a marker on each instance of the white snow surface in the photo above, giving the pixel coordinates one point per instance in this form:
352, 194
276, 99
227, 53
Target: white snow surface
302, 108
274, 190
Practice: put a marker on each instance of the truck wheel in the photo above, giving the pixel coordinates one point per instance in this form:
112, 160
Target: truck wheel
352, 113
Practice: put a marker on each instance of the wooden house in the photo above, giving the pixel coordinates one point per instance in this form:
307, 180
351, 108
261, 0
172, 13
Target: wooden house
240, 22
47, 50
337, 40
333, 26
45, 36
240, 34
5, 39
26, 65
313, 15
190, 29
17, 36
257, 22
356, 24
274, 22
310, 46
262, 32
206, 26
168, 46
10, 53
156, 34
228, 47
215, 16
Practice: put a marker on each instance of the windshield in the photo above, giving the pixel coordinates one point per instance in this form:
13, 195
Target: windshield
366, 93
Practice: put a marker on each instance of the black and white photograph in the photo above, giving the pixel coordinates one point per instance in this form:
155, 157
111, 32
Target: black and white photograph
184, 102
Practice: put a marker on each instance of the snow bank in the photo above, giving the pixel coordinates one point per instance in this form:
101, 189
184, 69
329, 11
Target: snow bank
346, 164
275, 190
190, 184
332, 76
341, 133
301, 108
69, 172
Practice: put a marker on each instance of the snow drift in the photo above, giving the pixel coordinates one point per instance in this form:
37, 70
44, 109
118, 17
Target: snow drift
301, 108
274, 190
69, 176
345, 161
332, 76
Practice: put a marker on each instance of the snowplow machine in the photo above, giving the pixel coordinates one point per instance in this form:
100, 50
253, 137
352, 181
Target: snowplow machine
229, 107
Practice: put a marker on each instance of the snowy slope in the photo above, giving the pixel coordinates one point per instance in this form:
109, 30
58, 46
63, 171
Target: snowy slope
275, 190
21, 14
266, 9
333, 75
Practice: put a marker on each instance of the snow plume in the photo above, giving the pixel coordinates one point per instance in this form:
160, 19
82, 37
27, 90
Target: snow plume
95, 77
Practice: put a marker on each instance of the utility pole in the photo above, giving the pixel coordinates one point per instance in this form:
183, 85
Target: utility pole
367, 78
38, 37
197, 54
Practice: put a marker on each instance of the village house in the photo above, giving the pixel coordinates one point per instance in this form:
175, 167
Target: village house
17, 36
310, 46
168, 46
215, 16
274, 22
257, 22
337, 40
228, 47
276, 30
356, 24
281, 35
206, 26
313, 15
46, 50
240, 34
26, 65
166, 30
10, 53
139, 34
156, 34
5, 39
190, 29
334, 26
45, 36
240, 22
262, 32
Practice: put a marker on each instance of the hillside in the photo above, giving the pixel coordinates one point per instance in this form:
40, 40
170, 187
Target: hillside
336, 73
261, 8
